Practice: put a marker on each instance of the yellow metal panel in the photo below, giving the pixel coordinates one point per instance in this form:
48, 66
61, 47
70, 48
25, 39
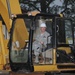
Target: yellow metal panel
15, 7
2, 44
45, 68
54, 56
67, 49
4, 13
4, 3
1, 58
1, 67
20, 32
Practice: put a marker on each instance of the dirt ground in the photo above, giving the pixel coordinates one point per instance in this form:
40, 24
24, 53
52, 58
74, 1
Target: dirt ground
35, 74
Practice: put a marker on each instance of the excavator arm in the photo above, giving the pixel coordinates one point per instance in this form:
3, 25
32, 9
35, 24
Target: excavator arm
9, 8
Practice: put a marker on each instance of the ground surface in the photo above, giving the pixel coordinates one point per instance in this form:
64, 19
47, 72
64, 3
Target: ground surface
35, 74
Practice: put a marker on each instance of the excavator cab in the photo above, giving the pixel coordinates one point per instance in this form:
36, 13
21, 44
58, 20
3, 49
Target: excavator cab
55, 56
19, 43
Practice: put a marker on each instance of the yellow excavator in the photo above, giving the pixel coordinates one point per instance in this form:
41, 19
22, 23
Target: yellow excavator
58, 56
20, 31
8, 9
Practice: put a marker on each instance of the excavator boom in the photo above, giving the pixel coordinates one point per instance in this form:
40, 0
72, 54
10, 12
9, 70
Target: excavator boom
9, 8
